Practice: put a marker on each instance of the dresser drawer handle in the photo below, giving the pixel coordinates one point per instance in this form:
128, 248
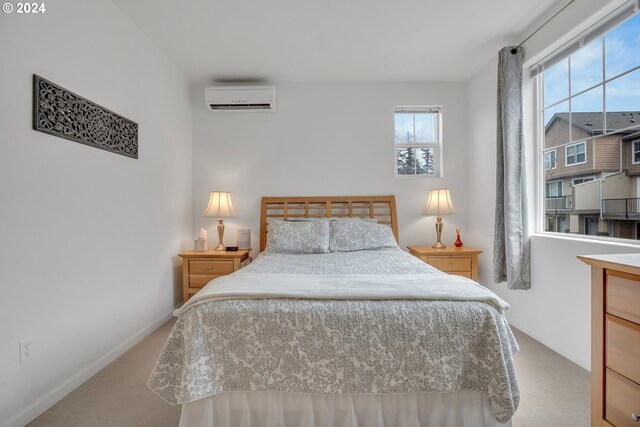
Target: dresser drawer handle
450, 264
635, 417
210, 268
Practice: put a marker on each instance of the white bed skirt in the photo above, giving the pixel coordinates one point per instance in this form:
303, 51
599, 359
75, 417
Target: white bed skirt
239, 409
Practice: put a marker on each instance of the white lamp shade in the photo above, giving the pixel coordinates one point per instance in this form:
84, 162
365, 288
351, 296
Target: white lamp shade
220, 205
439, 203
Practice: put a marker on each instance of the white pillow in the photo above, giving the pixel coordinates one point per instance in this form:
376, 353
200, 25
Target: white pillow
347, 236
298, 237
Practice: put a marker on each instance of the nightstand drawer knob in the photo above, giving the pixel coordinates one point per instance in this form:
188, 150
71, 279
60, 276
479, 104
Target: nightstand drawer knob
450, 264
210, 268
635, 417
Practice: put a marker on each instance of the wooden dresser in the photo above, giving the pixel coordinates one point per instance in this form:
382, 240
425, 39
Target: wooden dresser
199, 268
615, 339
462, 261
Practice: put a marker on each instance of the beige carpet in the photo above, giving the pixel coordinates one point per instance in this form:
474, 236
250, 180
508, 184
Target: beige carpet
554, 391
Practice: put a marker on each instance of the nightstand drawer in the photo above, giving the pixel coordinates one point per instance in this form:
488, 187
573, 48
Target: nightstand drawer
210, 267
200, 281
451, 264
466, 274
199, 268
623, 296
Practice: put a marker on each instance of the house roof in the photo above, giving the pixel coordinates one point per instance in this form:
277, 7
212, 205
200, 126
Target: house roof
592, 122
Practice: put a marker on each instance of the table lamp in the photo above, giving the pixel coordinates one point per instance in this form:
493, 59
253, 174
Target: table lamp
439, 204
220, 207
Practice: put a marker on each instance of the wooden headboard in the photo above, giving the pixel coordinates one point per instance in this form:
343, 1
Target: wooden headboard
382, 208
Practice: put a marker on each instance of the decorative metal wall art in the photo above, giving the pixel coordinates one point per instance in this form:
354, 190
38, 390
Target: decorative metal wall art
60, 112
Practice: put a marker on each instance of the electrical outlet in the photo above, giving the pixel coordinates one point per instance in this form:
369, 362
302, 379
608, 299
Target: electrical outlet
26, 350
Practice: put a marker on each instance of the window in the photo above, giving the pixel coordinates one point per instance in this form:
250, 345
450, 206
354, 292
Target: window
576, 154
550, 160
582, 180
553, 189
587, 94
417, 141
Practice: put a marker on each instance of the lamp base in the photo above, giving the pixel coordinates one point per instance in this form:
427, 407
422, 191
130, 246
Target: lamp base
220, 228
438, 244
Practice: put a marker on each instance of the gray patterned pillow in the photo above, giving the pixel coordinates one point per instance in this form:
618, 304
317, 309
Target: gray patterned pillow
345, 218
347, 236
298, 237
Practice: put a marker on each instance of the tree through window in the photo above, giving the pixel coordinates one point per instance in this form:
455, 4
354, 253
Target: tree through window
417, 141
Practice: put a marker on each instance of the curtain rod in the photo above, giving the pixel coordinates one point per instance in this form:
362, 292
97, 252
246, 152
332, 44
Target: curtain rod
515, 49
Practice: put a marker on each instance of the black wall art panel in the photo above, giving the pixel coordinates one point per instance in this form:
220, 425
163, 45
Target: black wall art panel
62, 113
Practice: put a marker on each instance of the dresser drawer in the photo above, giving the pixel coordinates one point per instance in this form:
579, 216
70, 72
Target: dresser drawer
210, 267
622, 297
622, 399
451, 264
622, 347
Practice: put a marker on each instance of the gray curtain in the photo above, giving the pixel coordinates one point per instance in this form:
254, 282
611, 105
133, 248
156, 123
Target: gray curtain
511, 238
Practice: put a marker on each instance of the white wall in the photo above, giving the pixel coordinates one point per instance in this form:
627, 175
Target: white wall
88, 238
325, 139
556, 310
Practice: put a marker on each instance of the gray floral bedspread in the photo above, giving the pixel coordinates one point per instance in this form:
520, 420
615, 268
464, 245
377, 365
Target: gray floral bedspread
339, 346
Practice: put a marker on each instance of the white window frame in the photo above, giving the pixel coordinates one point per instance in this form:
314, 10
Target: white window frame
436, 145
566, 155
634, 151
589, 178
555, 159
573, 42
555, 181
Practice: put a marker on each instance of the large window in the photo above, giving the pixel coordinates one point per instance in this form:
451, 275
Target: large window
417, 141
588, 103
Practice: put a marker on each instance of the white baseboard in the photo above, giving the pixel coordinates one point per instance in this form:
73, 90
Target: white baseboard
32, 411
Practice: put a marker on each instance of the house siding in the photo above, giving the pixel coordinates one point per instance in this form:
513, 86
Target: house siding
607, 151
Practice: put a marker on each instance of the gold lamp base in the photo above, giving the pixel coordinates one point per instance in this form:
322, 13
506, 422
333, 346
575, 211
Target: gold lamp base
438, 244
220, 228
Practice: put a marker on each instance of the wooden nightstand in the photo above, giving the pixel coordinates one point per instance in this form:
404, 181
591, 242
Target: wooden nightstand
461, 261
198, 268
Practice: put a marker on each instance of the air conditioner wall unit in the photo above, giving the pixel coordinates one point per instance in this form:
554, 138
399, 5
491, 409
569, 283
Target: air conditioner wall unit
241, 98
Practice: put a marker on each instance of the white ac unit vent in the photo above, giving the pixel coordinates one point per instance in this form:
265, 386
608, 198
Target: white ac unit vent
241, 98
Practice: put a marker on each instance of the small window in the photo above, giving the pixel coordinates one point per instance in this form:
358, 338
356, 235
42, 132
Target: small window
576, 154
582, 180
550, 160
553, 189
636, 152
417, 141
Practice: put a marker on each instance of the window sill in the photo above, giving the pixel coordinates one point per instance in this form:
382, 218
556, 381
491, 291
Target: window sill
613, 241
428, 176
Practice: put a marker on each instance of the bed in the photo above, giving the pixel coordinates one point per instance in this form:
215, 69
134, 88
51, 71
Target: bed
366, 335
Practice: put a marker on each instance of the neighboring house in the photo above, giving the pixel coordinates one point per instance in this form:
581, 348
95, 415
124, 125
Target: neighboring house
592, 181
